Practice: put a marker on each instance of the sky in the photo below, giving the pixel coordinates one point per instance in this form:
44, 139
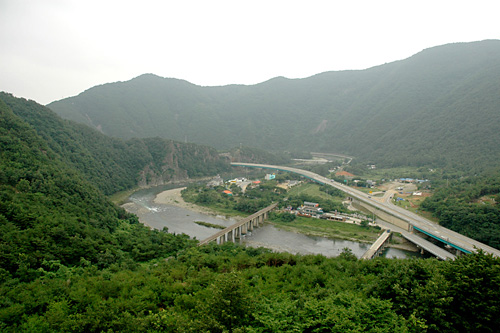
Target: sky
53, 49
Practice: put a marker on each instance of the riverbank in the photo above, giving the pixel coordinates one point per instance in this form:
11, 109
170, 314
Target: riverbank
329, 229
173, 197
320, 234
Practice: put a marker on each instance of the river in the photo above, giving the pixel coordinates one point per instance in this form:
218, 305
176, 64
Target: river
180, 220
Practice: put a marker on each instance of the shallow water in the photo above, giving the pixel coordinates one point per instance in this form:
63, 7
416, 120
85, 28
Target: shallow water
180, 220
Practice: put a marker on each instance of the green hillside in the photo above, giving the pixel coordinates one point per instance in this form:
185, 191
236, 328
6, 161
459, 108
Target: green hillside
50, 214
439, 107
54, 175
114, 164
71, 261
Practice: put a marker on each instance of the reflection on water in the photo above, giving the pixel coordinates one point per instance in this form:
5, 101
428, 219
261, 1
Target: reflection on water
179, 220
391, 253
286, 241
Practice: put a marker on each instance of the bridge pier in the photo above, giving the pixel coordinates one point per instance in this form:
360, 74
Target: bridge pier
384, 215
401, 218
240, 228
378, 246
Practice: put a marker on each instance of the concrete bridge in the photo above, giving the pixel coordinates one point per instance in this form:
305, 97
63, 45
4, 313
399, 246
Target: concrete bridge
411, 223
424, 244
230, 234
378, 246
402, 227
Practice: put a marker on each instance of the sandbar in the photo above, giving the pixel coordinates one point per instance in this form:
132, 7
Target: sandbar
173, 197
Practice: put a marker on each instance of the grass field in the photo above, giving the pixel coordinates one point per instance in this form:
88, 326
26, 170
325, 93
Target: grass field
365, 189
330, 229
120, 198
400, 172
310, 189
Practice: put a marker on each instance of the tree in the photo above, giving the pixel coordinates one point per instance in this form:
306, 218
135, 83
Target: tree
227, 305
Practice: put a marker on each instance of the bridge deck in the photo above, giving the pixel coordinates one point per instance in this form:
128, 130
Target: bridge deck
237, 224
376, 245
428, 246
452, 238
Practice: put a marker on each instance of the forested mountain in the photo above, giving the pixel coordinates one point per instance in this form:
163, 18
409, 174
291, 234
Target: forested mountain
49, 212
439, 107
114, 164
53, 177
71, 261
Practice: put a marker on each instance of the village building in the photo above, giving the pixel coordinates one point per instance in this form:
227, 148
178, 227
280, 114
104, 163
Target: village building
237, 180
311, 209
333, 217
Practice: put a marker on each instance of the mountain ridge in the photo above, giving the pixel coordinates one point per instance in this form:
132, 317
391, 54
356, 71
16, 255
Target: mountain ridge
114, 164
359, 112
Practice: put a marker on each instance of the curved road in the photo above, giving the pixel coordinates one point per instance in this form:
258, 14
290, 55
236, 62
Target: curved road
445, 235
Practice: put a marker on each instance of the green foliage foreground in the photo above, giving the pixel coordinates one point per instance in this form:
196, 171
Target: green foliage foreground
71, 261
230, 288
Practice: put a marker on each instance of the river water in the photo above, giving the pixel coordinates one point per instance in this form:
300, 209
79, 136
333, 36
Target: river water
180, 220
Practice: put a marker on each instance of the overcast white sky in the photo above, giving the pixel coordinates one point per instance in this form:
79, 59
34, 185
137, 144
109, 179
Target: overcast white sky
53, 49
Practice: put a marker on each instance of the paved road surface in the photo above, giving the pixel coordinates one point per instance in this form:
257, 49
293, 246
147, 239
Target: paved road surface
415, 220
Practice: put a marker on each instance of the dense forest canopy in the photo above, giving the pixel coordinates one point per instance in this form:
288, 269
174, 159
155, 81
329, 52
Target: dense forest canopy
50, 213
438, 108
231, 288
71, 260
469, 206
114, 164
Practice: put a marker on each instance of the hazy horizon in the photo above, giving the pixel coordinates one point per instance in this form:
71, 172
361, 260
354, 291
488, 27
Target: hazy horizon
53, 50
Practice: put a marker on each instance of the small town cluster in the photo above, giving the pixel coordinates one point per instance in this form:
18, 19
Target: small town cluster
308, 209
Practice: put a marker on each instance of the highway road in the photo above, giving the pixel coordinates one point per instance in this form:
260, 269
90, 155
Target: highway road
450, 237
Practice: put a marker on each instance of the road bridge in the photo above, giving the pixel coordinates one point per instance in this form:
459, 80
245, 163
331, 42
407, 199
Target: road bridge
378, 246
231, 233
428, 246
460, 243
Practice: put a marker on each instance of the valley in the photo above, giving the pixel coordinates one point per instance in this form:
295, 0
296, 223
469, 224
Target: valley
414, 112
414, 142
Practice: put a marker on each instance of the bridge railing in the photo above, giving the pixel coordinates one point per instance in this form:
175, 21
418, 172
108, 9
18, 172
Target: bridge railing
246, 220
453, 239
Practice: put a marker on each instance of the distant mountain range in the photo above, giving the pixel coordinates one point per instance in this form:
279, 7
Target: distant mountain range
440, 107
